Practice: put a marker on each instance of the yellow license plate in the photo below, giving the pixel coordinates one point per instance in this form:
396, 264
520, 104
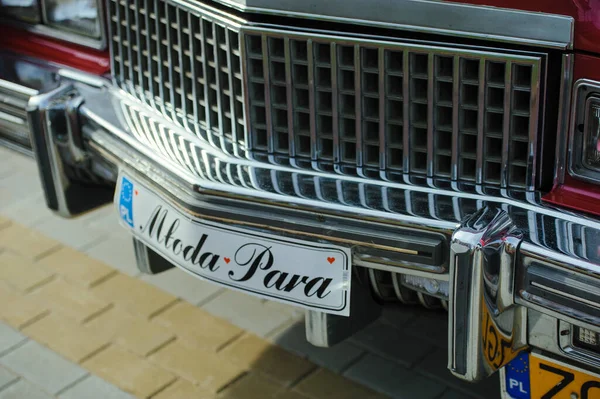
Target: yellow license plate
533, 376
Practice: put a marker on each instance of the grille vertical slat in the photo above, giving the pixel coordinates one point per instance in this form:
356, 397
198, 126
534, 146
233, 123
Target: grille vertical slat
506, 125
358, 144
367, 107
204, 81
149, 60
382, 109
455, 116
335, 93
480, 122
310, 58
289, 98
431, 125
219, 87
232, 105
267, 80
406, 111
183, 87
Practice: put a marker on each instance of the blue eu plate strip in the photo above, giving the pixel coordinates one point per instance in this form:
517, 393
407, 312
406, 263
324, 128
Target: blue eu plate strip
126, 201
517, 377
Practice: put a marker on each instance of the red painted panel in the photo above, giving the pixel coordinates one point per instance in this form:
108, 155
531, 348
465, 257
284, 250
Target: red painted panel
585, 12
577, 194
82, 58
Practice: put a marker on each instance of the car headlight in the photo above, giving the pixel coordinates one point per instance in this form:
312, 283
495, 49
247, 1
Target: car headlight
585, 141
77, 16
24, 10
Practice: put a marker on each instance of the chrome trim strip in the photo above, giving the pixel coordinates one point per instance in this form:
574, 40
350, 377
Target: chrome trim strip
566, 295
534, 125
564, 115
463, 20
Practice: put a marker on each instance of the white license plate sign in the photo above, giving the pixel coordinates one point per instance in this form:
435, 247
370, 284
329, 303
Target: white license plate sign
312, 275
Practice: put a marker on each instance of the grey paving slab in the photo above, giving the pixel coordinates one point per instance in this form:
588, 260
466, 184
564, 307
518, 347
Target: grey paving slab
389, 342
18, 187
336, 358
29, 211
70, 232
435, 366
452, 394
103, 218
431, 326
247, 312
6, 377
392, 379
116, 251
39, 364
93, 387
23, 389
400, 316
183, 285
9, 338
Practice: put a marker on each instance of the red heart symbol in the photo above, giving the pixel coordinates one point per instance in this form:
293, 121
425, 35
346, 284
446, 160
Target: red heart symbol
330, 260
227, 260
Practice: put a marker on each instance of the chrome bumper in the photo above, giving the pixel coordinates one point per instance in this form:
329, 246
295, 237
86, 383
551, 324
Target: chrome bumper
510, 260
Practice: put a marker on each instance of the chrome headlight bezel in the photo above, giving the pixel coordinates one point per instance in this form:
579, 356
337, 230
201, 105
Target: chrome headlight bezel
44, 28
46, 8
10, 11
586, 100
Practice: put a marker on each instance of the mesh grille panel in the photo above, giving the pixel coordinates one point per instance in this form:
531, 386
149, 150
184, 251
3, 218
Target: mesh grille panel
367, 109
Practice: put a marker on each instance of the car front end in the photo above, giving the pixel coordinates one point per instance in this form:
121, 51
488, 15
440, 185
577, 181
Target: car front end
433, 153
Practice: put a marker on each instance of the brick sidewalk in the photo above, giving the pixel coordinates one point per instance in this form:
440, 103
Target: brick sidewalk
402, 355
136, 336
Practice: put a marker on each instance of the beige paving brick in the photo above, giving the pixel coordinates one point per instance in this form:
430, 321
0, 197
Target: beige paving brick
26, 242
290, 395
134, 295
76, 267
205, 369
66, 337
252, 386
70, 300
274, 361
18, 310
19, 272
132, 332
197, 326
129, 372
327, 385
4, 222
184, 389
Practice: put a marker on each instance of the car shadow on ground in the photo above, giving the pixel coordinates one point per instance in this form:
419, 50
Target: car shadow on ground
401, 355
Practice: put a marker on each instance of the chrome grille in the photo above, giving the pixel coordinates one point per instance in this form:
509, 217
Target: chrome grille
183, 62
372, 108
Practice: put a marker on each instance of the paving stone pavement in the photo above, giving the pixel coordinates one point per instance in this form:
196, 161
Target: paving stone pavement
80, 321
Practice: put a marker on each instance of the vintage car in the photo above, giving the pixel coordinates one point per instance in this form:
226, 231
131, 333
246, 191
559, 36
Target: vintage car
339, 155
